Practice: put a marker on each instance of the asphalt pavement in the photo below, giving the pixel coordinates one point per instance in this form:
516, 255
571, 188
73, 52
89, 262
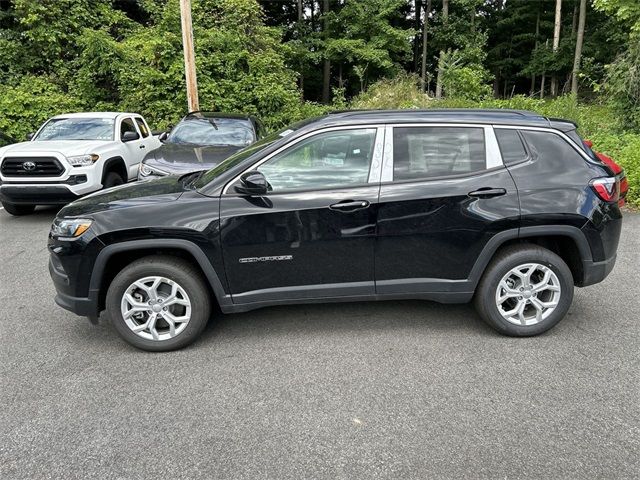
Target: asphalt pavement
401, 389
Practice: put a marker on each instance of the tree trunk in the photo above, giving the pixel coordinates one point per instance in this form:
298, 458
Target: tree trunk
556, 44
300, 20
533, 76
326, 68
423, 73
445, 18
416, 39
579, 40
542, 85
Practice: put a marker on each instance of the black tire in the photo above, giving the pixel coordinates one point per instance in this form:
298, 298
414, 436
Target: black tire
173, 268
112, 179
18, 210
504, 261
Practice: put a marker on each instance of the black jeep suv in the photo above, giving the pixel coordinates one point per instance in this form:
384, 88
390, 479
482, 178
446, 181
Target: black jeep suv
508, 208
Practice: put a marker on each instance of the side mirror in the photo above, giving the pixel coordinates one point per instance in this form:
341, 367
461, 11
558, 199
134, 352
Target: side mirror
163, 136
30, 135
253, 183
129, 136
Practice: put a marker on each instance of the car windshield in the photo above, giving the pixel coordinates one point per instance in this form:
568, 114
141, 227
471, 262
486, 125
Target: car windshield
235, 132
77, 129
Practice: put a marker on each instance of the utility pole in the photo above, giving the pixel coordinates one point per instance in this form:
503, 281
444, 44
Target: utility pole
189, 56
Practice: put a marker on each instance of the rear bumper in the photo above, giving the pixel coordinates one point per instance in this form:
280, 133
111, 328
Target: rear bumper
37, 194
595, 272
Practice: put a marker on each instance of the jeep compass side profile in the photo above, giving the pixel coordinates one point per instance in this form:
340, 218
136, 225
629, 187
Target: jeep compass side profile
506, 208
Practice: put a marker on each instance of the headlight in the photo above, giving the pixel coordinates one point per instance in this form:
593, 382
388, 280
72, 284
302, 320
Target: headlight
70, 227
146, 170
83, 160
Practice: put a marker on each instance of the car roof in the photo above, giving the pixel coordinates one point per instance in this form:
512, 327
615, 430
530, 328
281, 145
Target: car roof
462, 115
206, 114
94, 115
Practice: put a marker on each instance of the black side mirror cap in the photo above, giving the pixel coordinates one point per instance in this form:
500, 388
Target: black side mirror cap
253, 183
129, 136
163, 136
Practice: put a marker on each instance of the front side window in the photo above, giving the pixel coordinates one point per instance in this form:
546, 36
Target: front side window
331, 159
236, 132
77, 129
426, 152
127, 126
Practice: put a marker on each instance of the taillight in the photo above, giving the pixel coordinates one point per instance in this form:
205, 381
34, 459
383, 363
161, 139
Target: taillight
608, 188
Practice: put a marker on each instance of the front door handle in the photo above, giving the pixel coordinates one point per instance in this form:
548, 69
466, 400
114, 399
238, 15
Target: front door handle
487, 192
349, 205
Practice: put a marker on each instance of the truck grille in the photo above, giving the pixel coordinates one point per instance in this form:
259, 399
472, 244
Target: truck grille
31, 167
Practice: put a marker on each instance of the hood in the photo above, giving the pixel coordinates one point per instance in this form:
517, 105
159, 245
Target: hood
161, 190
175, 158
65, 147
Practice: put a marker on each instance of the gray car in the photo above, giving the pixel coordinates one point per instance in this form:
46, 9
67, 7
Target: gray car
200, 141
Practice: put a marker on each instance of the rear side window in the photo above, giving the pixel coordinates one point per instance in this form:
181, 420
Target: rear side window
511, 146
143, 128
426, 152
550, 147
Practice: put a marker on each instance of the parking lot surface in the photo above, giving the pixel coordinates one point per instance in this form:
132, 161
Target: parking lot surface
379, 390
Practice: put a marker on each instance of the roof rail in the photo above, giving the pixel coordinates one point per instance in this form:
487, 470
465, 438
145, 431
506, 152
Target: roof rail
506, 111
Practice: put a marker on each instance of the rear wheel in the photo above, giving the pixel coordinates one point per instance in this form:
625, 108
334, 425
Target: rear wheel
526, 290
18, 210
159, 303
112, 179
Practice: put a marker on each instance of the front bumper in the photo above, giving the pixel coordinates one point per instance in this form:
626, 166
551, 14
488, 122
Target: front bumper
37, 194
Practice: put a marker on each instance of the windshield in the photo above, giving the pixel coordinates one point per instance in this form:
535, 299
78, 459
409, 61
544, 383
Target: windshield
77, 129
213, 131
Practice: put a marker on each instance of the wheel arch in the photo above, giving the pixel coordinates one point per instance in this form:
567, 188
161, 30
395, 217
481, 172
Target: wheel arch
566, 241
115, 164
113, 258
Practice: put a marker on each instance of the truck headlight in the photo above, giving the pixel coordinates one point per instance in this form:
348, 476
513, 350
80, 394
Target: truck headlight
83, 160
146, 171
70, 227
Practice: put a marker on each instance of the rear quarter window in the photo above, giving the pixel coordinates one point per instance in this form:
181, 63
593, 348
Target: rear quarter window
551, 148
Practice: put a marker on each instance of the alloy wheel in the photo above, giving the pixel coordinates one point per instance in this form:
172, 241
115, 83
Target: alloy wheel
528, 294
156, 308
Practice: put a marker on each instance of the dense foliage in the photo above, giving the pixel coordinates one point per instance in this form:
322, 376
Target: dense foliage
289, 59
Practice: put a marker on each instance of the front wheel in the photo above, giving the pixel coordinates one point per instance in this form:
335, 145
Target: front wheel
112, 179
18, 210
159, 303
526, 290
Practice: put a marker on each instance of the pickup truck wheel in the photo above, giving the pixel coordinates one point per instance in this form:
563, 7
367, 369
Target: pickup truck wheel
526, 290
112, 179
159, 303
18, 210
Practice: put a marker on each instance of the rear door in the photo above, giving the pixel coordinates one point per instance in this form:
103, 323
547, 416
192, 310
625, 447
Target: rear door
445, 193
313, 234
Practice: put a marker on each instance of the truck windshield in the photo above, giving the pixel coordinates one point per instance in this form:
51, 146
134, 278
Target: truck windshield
77, 129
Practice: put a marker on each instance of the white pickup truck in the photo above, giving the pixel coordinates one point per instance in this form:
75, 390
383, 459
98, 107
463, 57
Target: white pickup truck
73, 155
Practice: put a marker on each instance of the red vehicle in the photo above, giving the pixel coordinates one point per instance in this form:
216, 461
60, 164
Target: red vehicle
617, 170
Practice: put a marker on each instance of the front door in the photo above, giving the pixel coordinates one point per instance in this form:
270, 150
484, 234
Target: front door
446, 195
313, 234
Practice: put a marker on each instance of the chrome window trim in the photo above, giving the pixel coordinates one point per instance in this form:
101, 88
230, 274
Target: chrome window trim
493, 156
378, 143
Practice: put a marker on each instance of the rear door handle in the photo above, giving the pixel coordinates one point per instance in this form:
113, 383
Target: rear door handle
349, 205
142, 146
487, 192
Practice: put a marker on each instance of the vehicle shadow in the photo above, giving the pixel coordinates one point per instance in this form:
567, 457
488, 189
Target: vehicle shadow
312, 319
